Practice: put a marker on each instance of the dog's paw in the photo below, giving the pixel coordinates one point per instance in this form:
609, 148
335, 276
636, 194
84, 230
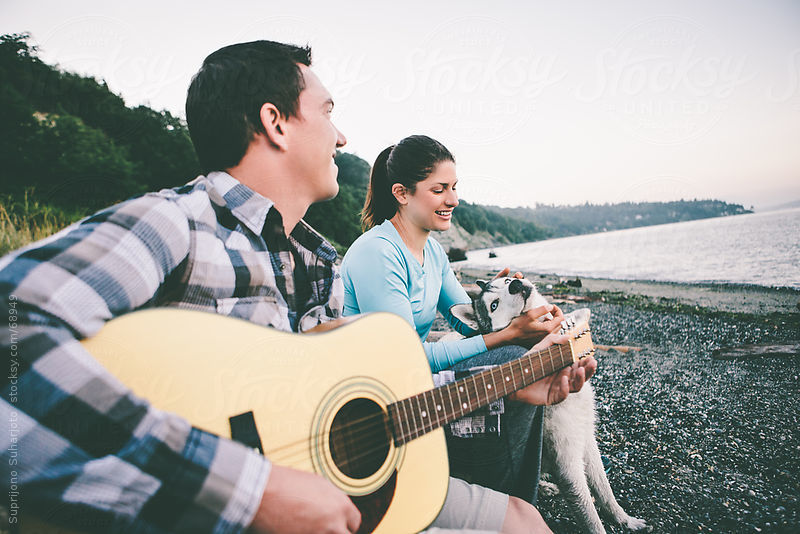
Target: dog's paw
634, 523
548, 488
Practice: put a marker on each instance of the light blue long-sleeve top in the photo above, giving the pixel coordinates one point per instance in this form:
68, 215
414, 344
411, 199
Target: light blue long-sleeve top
381, 274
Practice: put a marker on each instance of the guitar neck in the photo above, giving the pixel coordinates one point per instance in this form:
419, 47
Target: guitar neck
415, 416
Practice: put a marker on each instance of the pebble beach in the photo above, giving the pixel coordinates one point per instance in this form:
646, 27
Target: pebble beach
697, 443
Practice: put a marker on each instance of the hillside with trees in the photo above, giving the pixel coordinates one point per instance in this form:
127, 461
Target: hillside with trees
74, 142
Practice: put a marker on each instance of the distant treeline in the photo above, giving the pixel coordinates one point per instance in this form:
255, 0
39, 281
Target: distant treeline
70, 146
592, 218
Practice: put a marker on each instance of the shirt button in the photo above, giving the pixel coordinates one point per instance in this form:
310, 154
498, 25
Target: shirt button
283, 267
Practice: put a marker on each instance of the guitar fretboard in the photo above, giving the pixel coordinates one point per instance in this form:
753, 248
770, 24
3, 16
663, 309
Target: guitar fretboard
414, 416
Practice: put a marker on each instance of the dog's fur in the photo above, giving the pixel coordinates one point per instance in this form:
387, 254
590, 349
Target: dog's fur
570, 456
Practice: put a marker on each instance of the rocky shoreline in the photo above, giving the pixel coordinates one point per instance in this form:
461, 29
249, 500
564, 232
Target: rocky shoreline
697, 444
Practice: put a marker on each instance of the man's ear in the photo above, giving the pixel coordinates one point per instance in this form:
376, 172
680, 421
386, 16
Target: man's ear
274, 125
466, 314
400, 193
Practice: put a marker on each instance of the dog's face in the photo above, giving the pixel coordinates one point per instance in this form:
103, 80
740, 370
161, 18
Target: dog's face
497, 303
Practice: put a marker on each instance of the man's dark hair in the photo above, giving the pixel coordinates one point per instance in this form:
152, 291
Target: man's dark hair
225, 97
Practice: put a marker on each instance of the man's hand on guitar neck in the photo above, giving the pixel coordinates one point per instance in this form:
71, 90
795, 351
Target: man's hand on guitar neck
296, 502
555, 388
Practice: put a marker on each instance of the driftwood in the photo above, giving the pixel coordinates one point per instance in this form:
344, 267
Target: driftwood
570, 298
753, 351
619, 348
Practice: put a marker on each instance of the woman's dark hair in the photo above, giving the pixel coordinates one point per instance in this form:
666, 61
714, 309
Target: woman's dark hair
410, 161
224, 101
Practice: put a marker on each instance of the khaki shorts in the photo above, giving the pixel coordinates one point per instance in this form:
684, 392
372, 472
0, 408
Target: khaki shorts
470, 508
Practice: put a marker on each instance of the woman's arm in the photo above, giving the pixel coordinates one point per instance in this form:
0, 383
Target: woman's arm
377, 275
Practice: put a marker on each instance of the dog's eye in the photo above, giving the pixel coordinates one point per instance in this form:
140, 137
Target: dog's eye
508, 280
493, 307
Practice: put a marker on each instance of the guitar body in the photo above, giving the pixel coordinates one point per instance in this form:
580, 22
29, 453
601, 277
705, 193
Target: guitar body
354, 404
311, 397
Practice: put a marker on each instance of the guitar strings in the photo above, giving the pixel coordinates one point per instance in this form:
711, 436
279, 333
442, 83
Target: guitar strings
370, 430
383, 415
366, 448
381, 429
377, 434
372, 440
367, 442
303, 443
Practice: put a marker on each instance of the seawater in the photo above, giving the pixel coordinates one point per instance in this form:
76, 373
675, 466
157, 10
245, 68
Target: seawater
756, 248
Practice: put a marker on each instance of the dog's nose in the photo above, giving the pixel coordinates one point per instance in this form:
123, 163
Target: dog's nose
515, 286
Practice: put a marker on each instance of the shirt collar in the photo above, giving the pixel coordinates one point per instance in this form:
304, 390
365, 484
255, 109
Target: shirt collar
313, 241
244, 203
252, 208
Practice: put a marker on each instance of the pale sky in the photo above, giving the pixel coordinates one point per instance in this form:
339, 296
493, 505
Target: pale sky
554, 102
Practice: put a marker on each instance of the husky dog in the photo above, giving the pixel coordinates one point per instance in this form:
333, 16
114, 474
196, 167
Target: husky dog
569, 455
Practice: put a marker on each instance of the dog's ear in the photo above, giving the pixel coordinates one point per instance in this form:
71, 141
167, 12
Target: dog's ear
481, 284
466, 314
473, 291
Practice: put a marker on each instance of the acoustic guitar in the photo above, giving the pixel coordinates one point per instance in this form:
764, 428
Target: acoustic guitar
354, 404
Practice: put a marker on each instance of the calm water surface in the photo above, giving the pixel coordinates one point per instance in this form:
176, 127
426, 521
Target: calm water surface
757, 248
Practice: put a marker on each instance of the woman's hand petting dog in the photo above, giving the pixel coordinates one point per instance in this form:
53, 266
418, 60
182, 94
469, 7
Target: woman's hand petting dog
505, 272
528, 329
555, 388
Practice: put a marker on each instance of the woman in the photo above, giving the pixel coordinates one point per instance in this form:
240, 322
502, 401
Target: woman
397, 267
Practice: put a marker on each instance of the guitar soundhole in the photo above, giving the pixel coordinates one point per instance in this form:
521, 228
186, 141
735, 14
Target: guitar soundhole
359, 438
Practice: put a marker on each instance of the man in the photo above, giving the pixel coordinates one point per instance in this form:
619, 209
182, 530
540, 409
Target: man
91, 454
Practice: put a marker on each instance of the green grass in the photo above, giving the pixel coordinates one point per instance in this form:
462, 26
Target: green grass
24, 220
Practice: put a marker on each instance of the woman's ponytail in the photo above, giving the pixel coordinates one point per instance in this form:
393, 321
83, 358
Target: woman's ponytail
380, 203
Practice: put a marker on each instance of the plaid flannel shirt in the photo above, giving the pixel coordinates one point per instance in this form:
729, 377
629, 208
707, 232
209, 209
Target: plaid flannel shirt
81, 449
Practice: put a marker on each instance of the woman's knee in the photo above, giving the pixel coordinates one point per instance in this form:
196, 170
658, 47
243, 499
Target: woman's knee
522, 516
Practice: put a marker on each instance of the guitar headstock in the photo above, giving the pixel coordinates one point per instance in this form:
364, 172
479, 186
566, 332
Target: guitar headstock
576, 327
